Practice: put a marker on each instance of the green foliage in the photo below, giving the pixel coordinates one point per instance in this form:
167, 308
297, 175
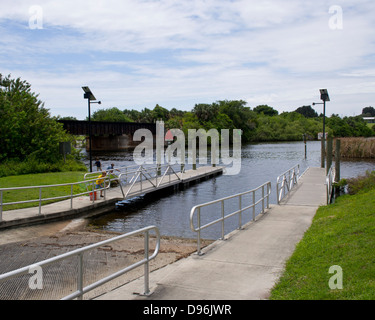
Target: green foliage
26, 128
266, 110
362, 183
307, 111
32, 165
368, 112
348, 126
112, 115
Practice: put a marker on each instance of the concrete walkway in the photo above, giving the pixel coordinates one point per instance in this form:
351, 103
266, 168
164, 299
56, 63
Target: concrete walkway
245, 266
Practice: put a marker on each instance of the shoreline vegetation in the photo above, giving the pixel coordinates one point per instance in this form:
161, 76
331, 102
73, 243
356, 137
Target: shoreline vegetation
356, 147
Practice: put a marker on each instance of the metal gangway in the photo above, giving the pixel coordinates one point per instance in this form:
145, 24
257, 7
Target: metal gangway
139, 179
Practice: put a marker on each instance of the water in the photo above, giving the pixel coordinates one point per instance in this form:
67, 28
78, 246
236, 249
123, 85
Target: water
170, 212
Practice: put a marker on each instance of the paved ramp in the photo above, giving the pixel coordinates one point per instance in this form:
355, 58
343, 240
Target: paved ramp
245, 266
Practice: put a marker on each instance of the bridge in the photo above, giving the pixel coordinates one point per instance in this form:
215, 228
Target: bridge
108, 136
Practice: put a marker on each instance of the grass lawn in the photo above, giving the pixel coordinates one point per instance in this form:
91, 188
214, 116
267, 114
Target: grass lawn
37, 180
342, 234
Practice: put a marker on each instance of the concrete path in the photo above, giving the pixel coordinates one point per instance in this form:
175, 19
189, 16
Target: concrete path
245, 266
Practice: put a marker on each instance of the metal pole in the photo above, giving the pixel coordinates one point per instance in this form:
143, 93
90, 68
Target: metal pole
222, 221
80, 276
324, 134
90, 135
147, 289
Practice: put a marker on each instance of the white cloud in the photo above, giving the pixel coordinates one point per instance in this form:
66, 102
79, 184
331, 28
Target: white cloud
177, 53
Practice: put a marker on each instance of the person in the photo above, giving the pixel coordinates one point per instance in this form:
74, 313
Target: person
114, 183
111, 168
98, 165
100, 182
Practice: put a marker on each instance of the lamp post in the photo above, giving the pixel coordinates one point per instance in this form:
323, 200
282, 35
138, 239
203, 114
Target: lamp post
324, 97
91, 99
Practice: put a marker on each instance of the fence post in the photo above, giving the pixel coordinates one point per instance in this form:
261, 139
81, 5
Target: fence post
240, 215
1, 205
146, 268
199, 231
253, 205
222, 221
40, 200
80, 276
71, 196
262, 198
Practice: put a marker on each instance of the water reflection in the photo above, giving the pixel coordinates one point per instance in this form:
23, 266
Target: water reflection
170, 210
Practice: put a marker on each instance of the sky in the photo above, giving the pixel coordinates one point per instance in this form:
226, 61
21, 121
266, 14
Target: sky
134, 54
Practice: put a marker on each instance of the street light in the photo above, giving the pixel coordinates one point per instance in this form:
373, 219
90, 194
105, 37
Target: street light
91, 99
324, 97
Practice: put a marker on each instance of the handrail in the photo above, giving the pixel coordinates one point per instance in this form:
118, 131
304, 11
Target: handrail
79, 253
286, 181
40, 187
197, 209
330, 178
148, 175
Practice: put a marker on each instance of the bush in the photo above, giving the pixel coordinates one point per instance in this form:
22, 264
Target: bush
362, 183
32, 165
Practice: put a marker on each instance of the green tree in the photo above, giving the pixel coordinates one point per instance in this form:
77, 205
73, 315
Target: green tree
26, 127
368, 112
307, 111
111, 115
160, 113
266, 110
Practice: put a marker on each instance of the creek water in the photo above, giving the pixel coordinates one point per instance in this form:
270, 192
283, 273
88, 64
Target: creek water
170, 211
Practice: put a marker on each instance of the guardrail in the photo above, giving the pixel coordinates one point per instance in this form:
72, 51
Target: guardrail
70, 196
330, 179
285, 182
79, 254
241, 199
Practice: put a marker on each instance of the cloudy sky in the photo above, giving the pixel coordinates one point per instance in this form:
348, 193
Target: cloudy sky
134, 54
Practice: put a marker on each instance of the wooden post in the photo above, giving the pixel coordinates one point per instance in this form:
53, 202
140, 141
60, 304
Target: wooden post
337, 159
329, 154
323, 153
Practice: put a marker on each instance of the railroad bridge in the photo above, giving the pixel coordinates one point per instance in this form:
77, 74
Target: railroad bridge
108, 136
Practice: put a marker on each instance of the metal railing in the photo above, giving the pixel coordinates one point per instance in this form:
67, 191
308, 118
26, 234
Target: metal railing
330, 179
285, 182
151, 177
79, 254
71, 195
241, 199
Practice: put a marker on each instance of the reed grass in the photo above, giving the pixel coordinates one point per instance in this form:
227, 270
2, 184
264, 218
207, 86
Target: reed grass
356, 148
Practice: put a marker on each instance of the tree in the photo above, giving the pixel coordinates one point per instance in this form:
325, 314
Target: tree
368, 112
160, 113
26, 127
112, 115
266, 110
307, 112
